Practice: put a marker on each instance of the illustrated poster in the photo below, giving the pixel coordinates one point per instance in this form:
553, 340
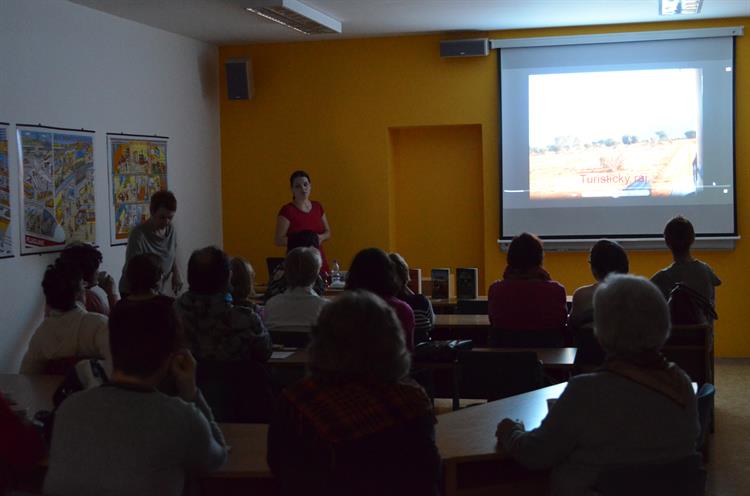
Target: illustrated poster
138, 169
5, 240
57, 202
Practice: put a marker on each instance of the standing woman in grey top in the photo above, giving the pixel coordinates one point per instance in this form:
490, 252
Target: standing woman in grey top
157, 235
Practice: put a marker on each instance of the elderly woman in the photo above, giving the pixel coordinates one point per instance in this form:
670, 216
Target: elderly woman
606, 257
424, 316
371, 269
527, 299
297, 308
638, 409
243, 283
356, 424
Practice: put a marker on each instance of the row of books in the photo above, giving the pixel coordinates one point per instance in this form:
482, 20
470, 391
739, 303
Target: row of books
466, 283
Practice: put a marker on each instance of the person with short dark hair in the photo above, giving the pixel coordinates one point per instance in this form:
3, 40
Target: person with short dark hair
526, 299
156, 235
606, 257
297, 308
215, 328
230, 342
69, 331
126, 437
356, 424
424, 316
144, 275
100, 293
679, 236
372, 270
637, 409
302, 214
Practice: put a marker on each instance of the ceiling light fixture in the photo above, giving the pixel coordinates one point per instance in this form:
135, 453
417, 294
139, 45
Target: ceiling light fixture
295, 15
676, 7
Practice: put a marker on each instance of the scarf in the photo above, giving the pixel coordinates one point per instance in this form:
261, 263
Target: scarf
650, 369
353, 408
534, 274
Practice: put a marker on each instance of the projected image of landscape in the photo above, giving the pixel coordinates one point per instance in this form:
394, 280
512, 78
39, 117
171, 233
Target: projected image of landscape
615, 134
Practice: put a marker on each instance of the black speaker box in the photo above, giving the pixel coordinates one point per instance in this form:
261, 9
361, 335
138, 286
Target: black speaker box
465, 48
239, 79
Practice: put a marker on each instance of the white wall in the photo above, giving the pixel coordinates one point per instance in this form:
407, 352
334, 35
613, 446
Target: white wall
66, 65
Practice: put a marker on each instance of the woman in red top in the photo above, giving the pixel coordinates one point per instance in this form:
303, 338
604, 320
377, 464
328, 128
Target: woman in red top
526, 299
302, 214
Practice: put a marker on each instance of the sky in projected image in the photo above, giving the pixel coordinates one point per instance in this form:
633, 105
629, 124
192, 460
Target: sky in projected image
593, 106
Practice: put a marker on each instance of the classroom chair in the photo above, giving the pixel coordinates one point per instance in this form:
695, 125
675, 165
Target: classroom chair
493, 375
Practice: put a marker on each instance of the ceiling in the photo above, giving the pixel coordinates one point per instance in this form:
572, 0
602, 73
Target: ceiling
225, 22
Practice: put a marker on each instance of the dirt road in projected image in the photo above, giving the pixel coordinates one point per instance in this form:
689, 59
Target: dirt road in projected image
660, 168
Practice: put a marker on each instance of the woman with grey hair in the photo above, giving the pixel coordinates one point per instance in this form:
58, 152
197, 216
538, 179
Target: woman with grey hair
297, 308
356, 424
638, 409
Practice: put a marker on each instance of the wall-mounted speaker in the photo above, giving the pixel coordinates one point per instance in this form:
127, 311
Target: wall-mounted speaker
465, 48
239, 79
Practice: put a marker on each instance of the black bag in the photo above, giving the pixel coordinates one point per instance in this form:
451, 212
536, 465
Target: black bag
441, 351
689, 307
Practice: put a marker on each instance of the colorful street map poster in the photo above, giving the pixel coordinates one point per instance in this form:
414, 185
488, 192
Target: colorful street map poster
57, 203
6, 250
138, 169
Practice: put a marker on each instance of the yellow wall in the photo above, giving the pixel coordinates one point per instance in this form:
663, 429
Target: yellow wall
337, 108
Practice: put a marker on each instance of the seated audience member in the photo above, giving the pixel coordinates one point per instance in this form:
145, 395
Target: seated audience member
69, 331
424, 316
356, 424
372, 270
216, 329
638, 409
21, 449
277, 284
243, 283
679, 236
229, 342
605, 257
100, 287
126, 437
145, 275
297, 308
527, 299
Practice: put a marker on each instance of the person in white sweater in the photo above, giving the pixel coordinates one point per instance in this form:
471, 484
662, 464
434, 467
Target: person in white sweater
127, 437
69, 331
638, 409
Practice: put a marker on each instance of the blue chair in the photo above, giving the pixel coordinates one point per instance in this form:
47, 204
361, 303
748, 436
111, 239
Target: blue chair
706, 395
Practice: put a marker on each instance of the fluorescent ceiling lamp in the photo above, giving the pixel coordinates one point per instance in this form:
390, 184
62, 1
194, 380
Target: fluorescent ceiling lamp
675, 7
295, 15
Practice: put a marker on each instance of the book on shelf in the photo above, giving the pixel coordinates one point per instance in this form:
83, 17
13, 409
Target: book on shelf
467, 283
415, 280
440, 283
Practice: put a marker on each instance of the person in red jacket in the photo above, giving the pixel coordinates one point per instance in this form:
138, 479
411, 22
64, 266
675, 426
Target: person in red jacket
526, 299
21, 448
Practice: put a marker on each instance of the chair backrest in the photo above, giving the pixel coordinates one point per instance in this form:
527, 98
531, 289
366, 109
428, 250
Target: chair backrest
706, 395
690, 348
493, 375
543, 338
685, 477
271, 264
291, 338
471, 307
590, 352
237, 391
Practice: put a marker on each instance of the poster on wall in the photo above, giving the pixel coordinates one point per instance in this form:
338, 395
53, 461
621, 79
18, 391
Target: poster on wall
57, 199
6, 250
137, 170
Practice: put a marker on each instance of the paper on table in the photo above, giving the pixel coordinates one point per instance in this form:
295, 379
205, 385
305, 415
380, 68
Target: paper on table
281, 354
